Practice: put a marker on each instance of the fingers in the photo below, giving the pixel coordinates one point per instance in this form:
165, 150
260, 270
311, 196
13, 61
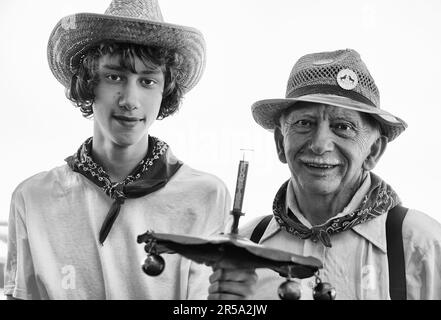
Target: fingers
240, 275
224, 296
228, 284
240, 289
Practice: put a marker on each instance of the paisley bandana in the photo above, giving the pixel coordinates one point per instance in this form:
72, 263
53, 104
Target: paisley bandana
151, 174
378, 200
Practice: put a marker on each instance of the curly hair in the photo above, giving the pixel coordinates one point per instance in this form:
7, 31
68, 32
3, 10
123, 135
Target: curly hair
85, 79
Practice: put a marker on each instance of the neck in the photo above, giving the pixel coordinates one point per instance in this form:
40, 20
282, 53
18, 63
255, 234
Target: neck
318, 208
118, 161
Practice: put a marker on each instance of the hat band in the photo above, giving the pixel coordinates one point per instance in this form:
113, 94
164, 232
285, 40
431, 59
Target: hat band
329, 89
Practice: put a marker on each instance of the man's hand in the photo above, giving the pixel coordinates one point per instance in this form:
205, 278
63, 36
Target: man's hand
232, 284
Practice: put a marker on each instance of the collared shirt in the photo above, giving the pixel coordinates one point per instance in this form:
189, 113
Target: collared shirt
53, 248
356, 264
355, 202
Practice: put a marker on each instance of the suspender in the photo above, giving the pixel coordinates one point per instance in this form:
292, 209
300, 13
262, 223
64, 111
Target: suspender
260, 228
395, 253
395, 250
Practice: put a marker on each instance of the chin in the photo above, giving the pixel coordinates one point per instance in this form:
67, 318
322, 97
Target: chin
320, 187
125, 142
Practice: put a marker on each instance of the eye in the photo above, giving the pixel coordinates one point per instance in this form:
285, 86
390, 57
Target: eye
343, 126
113, 77
300, 125
303, 123
147, 82
345, 129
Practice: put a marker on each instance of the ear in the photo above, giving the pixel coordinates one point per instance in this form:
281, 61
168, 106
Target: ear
377, 150
278, 138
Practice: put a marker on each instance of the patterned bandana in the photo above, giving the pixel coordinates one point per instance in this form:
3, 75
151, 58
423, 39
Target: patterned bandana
151, 174
378, 200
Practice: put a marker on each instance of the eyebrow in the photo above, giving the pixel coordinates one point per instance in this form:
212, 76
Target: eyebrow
305, 113
117, 67
343, 115
356, 122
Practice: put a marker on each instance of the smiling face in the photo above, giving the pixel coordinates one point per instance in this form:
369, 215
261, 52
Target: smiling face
127, 101
327, 148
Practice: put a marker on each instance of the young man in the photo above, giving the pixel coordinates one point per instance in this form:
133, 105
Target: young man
73, 229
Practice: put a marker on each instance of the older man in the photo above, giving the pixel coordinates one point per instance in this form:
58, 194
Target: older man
331, 132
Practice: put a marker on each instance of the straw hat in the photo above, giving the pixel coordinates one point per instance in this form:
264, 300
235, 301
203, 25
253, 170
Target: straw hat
130, 21
339, 78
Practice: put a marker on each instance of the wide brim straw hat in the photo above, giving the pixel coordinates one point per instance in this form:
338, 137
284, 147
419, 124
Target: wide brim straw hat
126, 21
338, 78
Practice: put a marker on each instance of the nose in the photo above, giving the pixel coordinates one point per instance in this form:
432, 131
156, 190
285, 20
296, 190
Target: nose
129, 100
321, 141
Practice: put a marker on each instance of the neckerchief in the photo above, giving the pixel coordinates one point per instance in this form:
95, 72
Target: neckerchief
151, 174
378, 200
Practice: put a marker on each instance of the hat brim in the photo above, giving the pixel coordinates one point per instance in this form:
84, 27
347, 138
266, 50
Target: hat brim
267, 112
75, 34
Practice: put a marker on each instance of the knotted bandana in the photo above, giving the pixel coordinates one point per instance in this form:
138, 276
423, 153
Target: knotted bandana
378, 200
151, 174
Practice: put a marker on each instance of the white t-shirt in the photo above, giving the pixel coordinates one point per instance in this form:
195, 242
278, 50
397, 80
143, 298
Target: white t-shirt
53, 247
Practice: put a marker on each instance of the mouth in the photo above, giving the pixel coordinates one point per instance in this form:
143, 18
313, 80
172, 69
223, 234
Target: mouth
127, 121
320, 165
127, 118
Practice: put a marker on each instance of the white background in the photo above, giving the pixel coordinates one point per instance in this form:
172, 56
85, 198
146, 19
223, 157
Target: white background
251, 48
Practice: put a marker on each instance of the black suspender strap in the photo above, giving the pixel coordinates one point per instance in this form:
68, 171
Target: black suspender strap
260, 229
395, 253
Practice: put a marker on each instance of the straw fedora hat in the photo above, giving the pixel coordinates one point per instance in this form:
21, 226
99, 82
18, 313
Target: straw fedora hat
338, 78
129, 21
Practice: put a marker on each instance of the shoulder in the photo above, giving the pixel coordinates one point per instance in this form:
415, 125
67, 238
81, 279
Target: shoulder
205, 194
197, 188
190, 177
421, 232
44, 181
247, 229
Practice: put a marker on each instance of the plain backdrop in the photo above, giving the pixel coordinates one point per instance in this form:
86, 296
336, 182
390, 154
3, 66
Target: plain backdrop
251, 48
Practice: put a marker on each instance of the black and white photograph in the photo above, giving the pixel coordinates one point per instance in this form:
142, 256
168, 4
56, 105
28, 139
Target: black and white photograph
220, 150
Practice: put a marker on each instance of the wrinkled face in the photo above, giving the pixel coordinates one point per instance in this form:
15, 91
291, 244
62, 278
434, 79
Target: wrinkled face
127, 102
327, 148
